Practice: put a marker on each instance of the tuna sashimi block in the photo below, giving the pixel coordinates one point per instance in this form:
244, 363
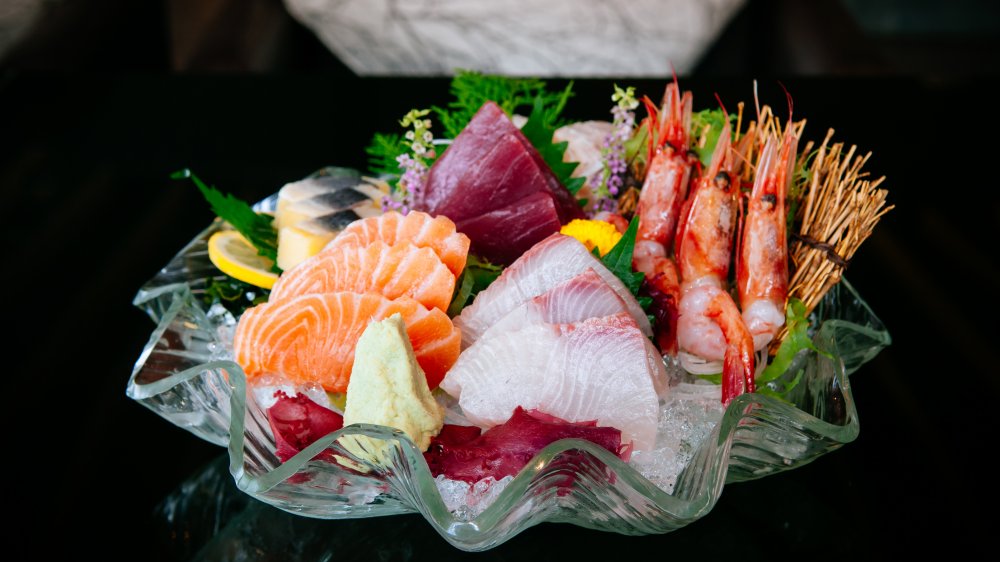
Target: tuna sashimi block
502, 235
488, 166
549, 263
601, 369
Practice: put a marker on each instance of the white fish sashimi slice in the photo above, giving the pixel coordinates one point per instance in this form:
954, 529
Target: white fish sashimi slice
552, 261
581, 297
596, 369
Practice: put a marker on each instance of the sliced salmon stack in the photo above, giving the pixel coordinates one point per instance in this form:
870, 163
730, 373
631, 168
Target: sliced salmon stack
311, 338
417, 228
400, 270
551, 262
598, 369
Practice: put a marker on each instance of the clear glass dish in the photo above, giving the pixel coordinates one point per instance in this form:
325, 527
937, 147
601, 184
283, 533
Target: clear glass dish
180, 376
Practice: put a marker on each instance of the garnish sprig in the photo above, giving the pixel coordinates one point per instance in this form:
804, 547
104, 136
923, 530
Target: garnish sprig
611, 178
414, 164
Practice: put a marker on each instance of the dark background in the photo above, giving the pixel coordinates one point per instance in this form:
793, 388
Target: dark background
104, 98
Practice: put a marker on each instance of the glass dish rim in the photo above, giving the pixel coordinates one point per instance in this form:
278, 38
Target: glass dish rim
431, 505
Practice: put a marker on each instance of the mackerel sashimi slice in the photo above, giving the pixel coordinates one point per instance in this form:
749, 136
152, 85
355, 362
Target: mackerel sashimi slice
547, 264
419, 229
402, 270
585, 296
598, 369
311, 338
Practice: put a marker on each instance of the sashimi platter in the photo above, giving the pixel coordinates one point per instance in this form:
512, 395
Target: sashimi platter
511, 318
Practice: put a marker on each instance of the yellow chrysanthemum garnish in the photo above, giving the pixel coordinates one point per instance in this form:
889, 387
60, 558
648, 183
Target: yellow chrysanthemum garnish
594, 234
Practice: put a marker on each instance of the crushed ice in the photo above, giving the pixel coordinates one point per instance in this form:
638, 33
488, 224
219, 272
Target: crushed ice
467, 501
687, 417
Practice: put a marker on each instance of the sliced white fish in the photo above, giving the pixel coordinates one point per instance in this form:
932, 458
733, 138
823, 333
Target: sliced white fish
585, 296
599, 369
584, 145
547, 264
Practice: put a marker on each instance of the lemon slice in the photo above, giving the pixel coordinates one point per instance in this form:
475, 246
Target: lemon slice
237, 258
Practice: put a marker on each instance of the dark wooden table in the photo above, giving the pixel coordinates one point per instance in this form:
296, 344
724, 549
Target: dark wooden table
89, 214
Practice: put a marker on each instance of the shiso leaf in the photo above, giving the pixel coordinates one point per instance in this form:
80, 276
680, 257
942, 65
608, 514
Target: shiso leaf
255, 227
477, 275
619, 259
539, 129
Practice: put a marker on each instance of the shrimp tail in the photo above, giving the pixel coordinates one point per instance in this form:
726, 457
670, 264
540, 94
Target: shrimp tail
738, 363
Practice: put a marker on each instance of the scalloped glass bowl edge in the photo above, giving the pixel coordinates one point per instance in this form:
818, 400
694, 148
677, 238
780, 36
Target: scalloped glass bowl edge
179, 377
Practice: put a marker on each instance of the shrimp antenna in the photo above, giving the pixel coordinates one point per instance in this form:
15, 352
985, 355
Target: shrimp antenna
788, 96
756, 100
725, 113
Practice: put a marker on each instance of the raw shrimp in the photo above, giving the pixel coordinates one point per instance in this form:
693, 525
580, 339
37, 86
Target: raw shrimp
762, 265
662, 284
669, 170
709, 325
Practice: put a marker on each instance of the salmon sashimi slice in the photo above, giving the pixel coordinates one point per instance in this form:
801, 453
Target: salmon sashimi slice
598, 369
400, 270
417, 228
311, 338
552, 261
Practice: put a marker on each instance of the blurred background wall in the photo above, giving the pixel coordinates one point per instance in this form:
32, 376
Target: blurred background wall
927, 38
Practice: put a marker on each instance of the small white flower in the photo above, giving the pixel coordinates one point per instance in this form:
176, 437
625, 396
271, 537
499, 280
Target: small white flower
409, 135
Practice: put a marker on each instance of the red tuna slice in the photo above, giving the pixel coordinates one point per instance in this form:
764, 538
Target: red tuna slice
461, 453
602, 369
585, 296
490, 165
501, 236
297, 422
547, 264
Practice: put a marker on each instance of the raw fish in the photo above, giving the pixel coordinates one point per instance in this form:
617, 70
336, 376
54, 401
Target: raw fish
600, 369
461, 453
552, 261
584, 296
501, 236
490, 165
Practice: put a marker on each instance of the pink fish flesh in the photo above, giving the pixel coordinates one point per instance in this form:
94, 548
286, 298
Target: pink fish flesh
585, 296
547, 264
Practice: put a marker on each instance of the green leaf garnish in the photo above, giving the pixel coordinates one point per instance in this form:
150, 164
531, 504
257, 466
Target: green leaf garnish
619, 259
477, 275
796, 341
709, 123
539, 129
255, 227
471, 89
635, 147
714, 379
382, 153
235, 295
